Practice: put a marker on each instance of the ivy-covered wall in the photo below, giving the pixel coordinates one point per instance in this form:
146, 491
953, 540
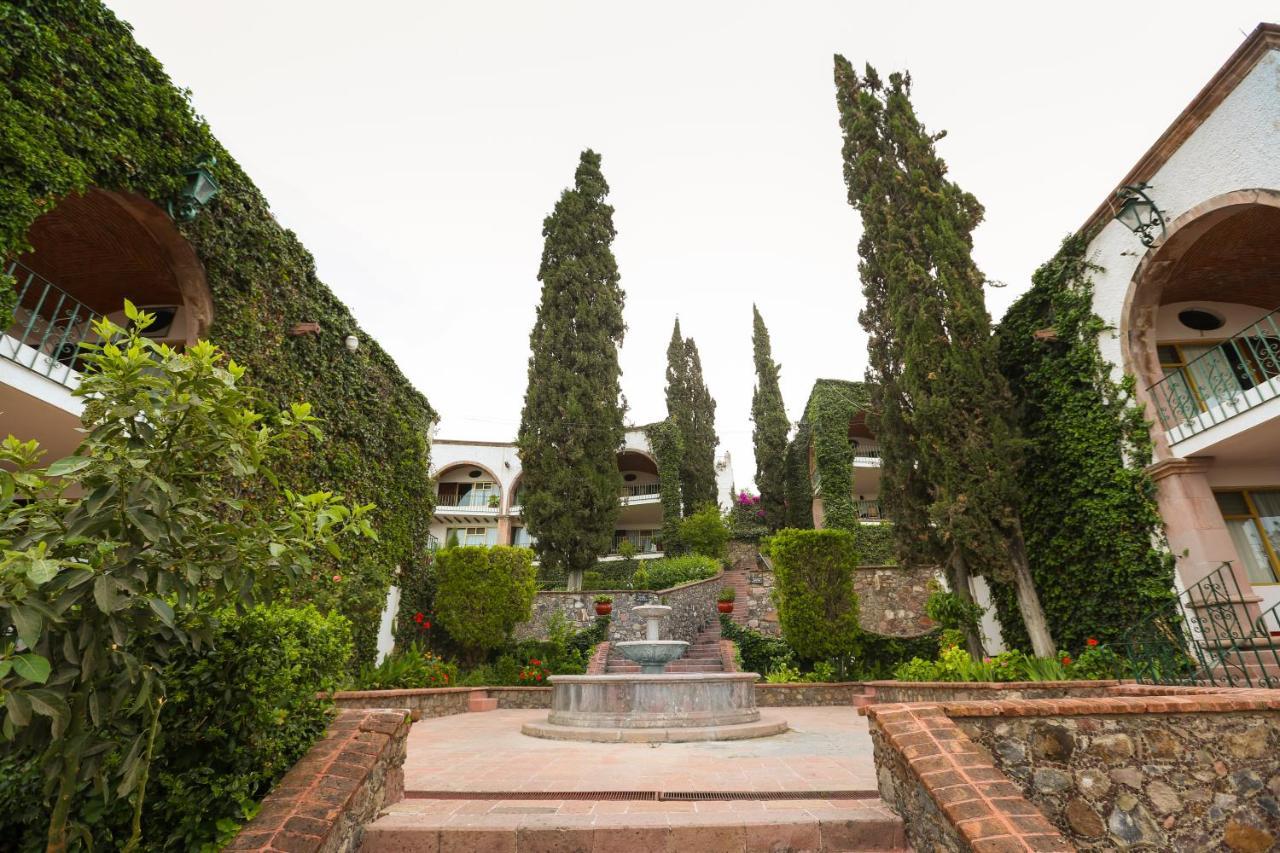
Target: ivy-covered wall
81, 106
799, 488
825, 427
1088, 507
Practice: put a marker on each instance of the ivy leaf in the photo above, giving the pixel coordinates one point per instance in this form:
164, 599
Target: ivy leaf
32, 667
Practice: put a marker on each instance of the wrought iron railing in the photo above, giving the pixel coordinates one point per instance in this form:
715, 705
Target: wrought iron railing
868, 510
1205, 637
866, 453
1236, 375
433, 543
48, 327
642, 489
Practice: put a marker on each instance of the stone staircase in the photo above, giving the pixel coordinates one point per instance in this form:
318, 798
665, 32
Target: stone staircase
736, 579
703, 655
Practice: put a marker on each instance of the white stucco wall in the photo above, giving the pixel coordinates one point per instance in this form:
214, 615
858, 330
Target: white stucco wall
1236, 148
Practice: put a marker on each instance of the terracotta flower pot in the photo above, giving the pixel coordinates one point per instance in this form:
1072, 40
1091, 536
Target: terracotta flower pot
725, 606
604, 609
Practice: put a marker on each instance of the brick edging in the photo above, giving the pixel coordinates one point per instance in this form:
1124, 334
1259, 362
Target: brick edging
342, 783
599, 659
1125, 700
993, 685
980, 803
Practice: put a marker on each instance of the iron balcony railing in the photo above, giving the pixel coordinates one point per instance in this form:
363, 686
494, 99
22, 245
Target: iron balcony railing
636, 494
433, 543
868, 510
48, 327
1236, 375
1205, 637
866, 453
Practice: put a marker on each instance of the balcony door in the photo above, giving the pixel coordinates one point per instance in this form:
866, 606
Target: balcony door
1253, 519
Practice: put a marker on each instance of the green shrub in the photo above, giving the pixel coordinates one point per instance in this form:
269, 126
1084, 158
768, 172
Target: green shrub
950, 611
411, 668
817, 606
757, 652
482, 594
705, 532
875, 544
667, 572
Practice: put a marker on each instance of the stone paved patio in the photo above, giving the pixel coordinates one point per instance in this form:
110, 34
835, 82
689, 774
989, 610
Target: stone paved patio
827, 749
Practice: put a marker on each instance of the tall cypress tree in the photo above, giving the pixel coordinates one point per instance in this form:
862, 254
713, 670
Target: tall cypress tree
692, 409
769, 435
572, 422
950, 444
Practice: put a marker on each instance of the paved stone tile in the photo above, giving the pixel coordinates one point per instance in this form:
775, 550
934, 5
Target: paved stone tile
828, 748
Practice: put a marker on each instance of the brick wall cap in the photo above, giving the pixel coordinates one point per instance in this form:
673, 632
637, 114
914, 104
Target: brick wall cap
994, 685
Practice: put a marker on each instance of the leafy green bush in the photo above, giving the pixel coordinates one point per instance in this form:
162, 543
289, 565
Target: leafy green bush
955, 664
667, 572
758, 652
408, 669
875, 544
817, 606
1099, 662
705, 532
482, 594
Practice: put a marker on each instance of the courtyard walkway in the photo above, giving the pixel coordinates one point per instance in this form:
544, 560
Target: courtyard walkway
459, 767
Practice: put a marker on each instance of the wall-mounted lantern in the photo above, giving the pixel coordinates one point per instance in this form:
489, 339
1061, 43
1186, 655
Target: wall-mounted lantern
1139, 213
352, 343
201, 187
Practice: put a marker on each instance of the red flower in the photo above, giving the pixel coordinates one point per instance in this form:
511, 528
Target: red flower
426, 625
538, 675
418, 617
1091, 642
1066, 660
536, 662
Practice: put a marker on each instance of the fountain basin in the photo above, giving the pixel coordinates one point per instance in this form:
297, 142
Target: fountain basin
652, 655
667, 707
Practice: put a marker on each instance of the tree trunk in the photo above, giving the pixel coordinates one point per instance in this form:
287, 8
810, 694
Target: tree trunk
960, 586
573, 580
1028, 599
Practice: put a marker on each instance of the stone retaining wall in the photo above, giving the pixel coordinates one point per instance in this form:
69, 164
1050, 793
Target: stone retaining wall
890, 600
783, 695
420, 702
888, 692
323, 802
1171, 773
520, 697
693, 607
1138, 768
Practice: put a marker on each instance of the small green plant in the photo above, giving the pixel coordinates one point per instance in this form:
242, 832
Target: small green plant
603, 599
783, 673
823, 671
706, 532
727, 595
1098, 661
412, 668
494, 501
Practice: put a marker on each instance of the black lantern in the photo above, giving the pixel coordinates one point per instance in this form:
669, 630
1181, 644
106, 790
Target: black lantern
201, 187
1139, 213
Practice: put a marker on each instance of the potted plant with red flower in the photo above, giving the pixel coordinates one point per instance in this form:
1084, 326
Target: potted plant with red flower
725, 601
604, 605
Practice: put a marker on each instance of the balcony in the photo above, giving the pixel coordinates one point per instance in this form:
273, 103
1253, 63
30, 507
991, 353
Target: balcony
1237, 375
866, 457
647, 493
48, 327
869, 511
473, 506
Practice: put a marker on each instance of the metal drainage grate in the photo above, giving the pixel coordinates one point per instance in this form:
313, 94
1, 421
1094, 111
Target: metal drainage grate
647, 796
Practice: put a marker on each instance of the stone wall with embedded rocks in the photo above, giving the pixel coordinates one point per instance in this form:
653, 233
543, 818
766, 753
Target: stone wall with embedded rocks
323, 803
1169, 781
693, 608
890, 600
951, 691
520, 697
420, 702
817, 693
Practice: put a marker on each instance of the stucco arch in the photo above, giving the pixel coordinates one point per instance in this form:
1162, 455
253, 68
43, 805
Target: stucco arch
1155, 272
452, 466
103, 247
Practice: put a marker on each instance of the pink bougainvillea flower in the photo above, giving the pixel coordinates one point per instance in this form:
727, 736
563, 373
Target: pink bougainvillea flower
337, 578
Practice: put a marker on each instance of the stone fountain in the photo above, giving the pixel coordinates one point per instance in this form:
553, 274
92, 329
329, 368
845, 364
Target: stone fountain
651, 653
654, 705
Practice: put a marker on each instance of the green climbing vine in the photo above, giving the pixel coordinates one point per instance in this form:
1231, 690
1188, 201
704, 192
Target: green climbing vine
799, 489
83, 106
1088, 512
668, 449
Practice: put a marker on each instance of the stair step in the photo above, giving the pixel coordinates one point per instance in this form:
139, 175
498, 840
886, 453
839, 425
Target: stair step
412, 825
478, 703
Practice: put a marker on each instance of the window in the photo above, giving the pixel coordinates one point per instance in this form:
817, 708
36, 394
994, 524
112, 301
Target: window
466, 494
472, 535
1253, 519
641, 540
520, 537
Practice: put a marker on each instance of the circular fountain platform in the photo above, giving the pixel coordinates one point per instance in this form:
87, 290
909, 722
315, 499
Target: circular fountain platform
644, 708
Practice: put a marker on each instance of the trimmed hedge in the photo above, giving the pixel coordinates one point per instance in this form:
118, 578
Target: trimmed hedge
482, 593
673, 571
817, 605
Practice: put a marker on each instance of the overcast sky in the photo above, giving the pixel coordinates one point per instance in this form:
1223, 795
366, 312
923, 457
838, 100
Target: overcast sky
415, 148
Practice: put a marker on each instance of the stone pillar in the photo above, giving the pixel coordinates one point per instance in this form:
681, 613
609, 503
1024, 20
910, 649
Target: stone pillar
1194, 526
504, 530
